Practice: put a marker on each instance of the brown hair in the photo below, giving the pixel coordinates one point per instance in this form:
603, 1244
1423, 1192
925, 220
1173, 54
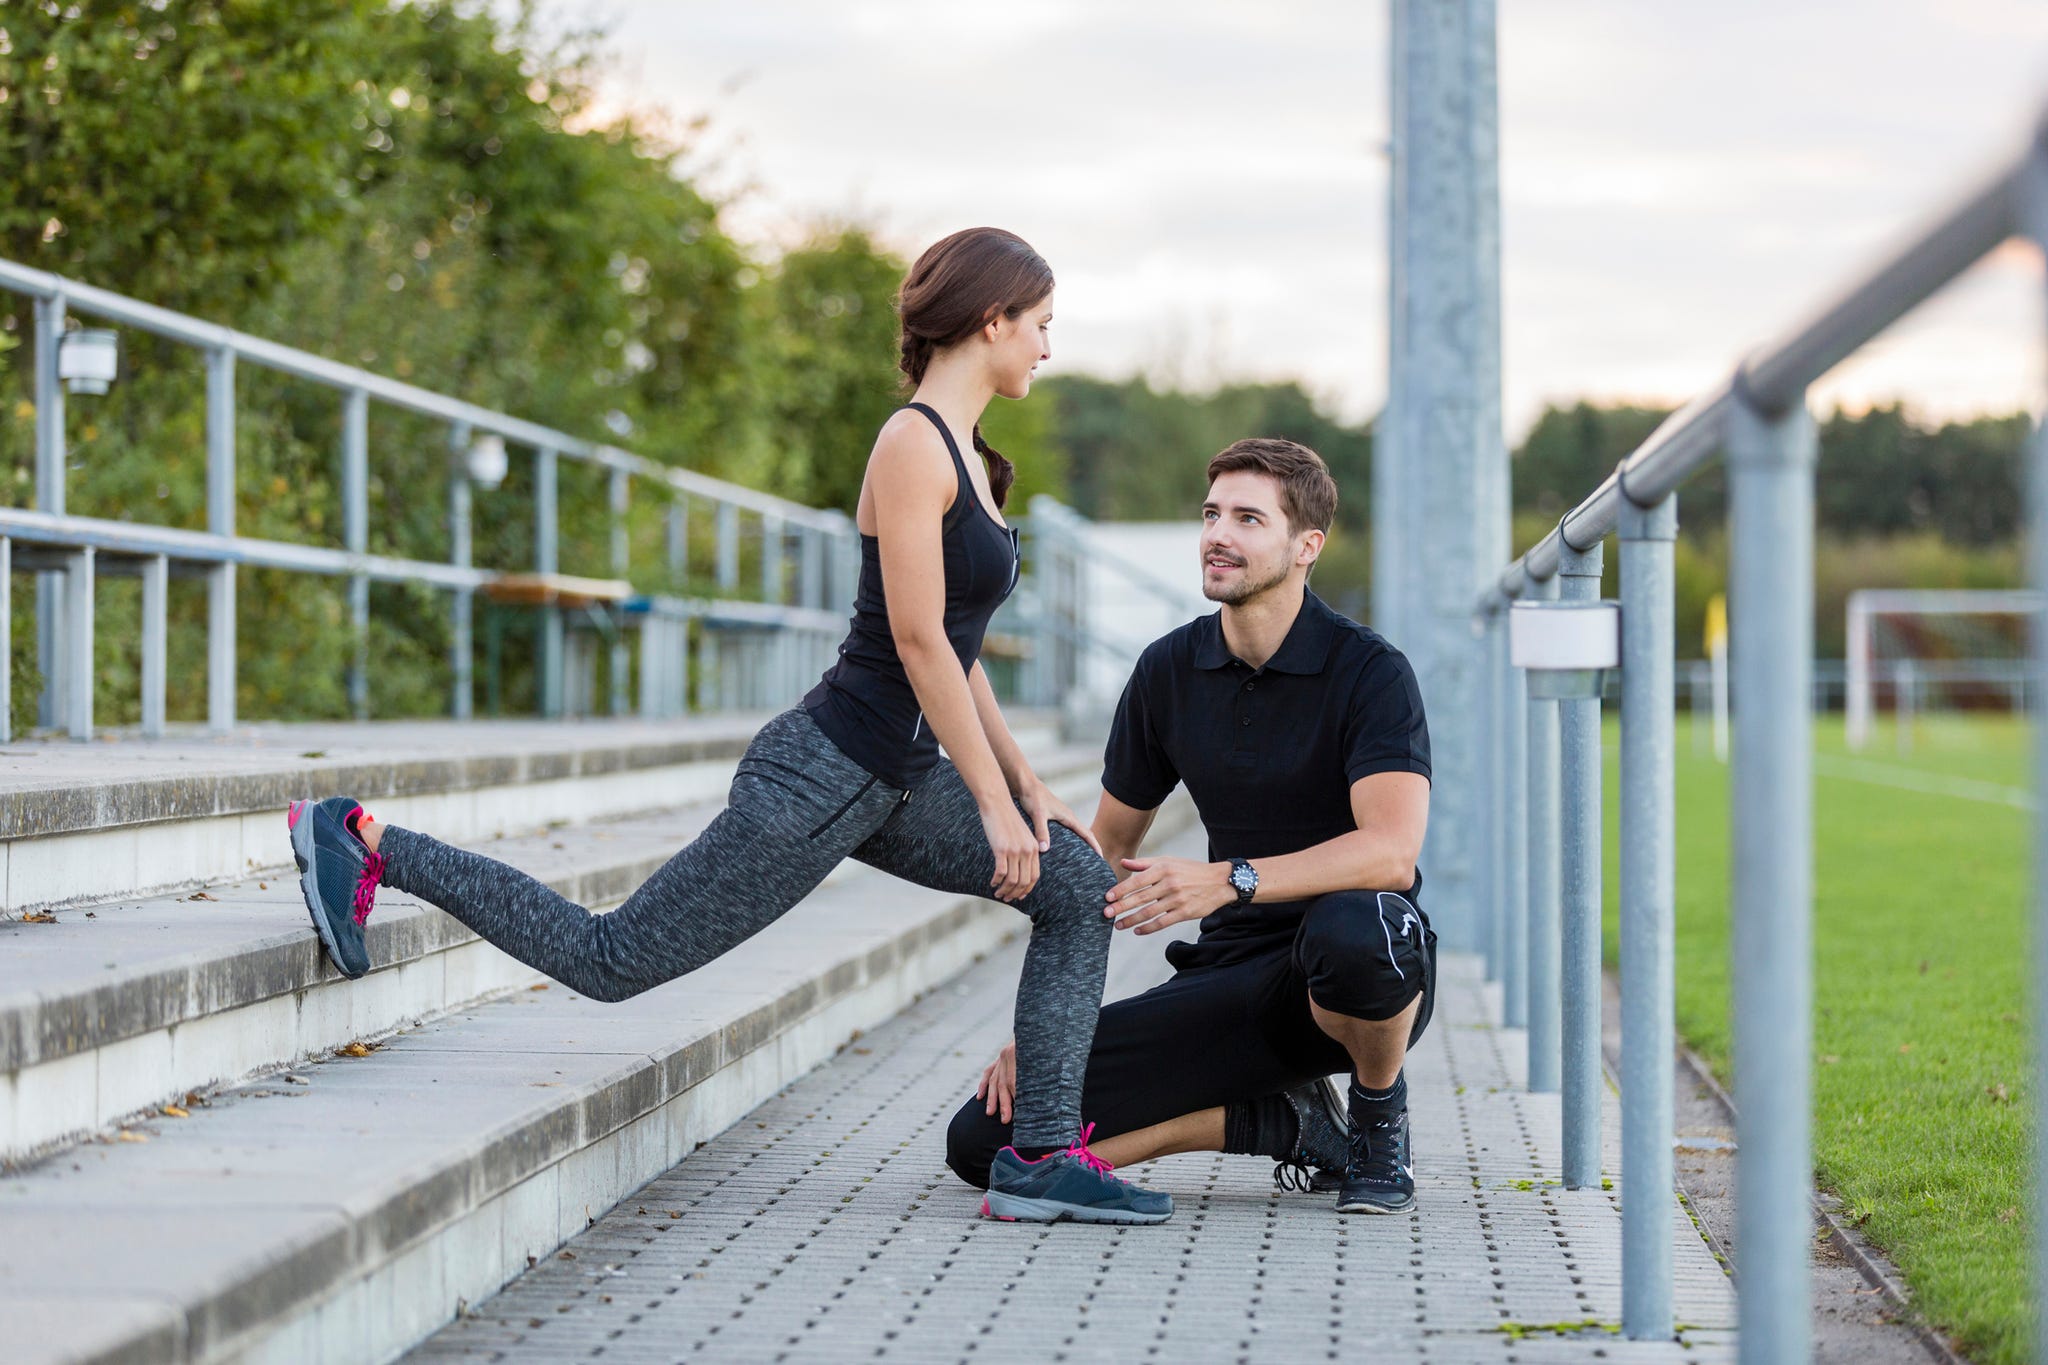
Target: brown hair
1308, 495
957, 287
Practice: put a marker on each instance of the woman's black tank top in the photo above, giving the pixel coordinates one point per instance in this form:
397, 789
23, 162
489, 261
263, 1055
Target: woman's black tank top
865, 703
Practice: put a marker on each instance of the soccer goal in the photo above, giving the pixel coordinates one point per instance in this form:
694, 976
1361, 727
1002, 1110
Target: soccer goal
1935, 650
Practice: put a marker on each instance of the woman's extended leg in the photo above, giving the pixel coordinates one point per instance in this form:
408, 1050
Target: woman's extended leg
936, 840
797, 807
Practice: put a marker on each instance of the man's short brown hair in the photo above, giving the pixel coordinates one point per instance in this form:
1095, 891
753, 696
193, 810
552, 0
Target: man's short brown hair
1308, 495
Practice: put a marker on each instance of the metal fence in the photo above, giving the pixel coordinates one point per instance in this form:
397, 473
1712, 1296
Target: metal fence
749, 647
1542, 762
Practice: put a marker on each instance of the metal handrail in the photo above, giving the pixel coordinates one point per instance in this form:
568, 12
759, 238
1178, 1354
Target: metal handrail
271, 355
1774, 376
1548, 792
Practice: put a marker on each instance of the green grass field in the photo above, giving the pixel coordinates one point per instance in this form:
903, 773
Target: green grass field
1921, 1092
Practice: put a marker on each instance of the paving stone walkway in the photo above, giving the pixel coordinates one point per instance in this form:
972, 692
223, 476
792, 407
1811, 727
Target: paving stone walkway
825, 1227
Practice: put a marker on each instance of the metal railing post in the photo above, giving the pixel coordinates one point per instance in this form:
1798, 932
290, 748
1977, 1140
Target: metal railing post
220, 519
1579, 897
1648, 824
49, 325
6, 640
678, 529
355, 523
462, 605
1770, 559
78, 642
621, 493
728, 547
1544, 946
546, 543
1514, 1006
1492, 841
156, 577
2034, 208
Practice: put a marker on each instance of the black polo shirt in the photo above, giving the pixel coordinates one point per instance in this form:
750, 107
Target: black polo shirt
1268, 754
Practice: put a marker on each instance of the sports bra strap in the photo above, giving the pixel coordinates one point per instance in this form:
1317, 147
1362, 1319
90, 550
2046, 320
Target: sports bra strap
952, 446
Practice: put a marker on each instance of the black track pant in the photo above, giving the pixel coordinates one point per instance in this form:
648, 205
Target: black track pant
1214, 1036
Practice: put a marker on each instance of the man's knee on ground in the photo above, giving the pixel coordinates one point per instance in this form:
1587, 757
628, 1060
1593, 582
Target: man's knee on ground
972, 1141
1362, 952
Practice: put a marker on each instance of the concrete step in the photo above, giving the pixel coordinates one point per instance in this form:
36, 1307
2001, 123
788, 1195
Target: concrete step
344, 1211
121, 1008
124, 817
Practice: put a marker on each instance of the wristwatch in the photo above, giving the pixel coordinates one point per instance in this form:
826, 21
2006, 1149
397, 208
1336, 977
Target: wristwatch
1244, 879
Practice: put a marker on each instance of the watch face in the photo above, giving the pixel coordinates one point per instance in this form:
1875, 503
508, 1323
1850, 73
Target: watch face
1243, 878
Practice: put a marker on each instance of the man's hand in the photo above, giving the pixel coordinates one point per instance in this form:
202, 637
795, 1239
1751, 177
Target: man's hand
1161, 892
999, 1083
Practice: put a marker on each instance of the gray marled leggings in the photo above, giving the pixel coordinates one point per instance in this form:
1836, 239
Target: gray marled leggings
798, 805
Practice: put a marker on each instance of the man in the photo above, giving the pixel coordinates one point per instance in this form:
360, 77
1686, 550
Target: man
1300, 736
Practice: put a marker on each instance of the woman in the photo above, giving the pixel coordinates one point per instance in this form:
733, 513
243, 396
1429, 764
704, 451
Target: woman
855, 770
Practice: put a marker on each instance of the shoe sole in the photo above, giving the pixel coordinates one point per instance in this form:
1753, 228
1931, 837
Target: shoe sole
302, 854
1011, 1208
1361, 1207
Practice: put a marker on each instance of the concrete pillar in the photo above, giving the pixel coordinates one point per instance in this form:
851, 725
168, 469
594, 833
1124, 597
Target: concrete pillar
1444, 485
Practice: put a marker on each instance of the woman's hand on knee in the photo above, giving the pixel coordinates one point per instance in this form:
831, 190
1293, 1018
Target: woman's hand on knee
1015, 846
1046, 810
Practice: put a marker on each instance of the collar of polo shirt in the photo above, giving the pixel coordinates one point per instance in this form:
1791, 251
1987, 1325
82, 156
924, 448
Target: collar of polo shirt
1305, 650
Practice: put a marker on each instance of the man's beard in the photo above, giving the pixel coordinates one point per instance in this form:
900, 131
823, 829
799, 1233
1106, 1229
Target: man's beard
1246, 587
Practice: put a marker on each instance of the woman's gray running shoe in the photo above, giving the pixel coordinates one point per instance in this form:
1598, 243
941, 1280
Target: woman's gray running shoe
1322, 1143
338, 876
1074, 1183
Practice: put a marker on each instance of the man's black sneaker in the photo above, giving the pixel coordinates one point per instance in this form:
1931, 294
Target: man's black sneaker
1378, 1177
338, 876
1070, 1183
1322, 1143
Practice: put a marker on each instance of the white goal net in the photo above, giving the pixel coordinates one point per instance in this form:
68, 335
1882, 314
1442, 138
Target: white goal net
1910, 651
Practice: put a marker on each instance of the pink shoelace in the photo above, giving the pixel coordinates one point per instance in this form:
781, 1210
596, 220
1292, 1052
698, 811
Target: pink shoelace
1078, 1150
366, 889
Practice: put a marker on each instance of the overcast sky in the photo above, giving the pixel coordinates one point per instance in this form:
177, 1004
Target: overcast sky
1207, 177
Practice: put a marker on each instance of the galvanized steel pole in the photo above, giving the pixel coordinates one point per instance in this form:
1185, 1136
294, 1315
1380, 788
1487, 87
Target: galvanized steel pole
1448, 462
2035, 214
1500, 878
1648, 821
1770, 496
621, 494
462, 602
1544, 946
1578, 573
49, 326
220, 519
1515, 818
546, 560
355, 520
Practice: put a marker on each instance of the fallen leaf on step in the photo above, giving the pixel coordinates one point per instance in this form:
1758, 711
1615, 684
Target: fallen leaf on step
90, 915
201, 896
356, 1050
541, 987
127, 1136
172, 1111
567, 1256
314, 753
263, 886
39, 917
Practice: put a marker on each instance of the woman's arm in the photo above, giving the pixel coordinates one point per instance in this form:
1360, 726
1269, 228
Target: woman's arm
1009, 757
912, 484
